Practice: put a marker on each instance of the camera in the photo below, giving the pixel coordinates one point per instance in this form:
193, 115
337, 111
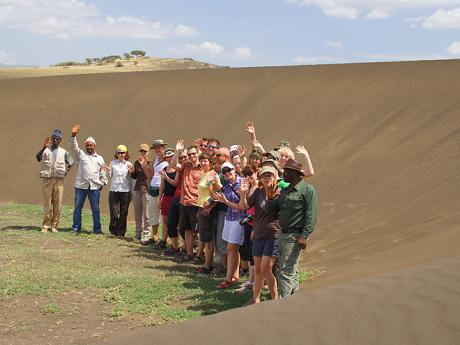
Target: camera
246, 219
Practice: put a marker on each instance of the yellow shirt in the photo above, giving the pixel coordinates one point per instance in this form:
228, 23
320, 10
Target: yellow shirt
204, 193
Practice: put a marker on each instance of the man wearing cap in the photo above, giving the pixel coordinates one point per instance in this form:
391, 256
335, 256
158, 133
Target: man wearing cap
90, 179
158, 164
141, 193
55, 163
296, 208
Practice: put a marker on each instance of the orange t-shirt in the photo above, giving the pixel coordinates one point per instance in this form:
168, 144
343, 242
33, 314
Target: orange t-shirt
190, 178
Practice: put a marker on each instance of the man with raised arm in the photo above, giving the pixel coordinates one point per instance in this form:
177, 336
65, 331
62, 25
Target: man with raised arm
55, 163
91, 177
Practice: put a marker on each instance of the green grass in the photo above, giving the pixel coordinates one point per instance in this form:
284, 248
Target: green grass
134, 279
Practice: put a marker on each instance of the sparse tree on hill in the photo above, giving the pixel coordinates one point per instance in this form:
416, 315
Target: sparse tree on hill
127, 56
89, 61
138, 53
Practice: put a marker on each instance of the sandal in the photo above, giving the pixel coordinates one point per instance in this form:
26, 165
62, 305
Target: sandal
225, 284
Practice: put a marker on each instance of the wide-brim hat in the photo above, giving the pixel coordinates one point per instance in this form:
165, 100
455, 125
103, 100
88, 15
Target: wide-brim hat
267, 168
158, 142
255, 154
269, 162
272, 155
292, 164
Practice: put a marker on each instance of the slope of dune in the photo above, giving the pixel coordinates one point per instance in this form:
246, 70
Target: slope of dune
384, 138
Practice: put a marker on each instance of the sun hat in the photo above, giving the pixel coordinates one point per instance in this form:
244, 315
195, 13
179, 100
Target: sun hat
234, 148
292, 164
255, 154
271, 163
273, 154
168, 153
57, 133
158, 142
122, 148
267, 168
90, 140
283, 143
144, 147
227, 165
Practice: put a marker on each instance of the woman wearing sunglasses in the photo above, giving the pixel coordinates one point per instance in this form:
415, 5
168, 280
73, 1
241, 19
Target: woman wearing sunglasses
120, 191
233, 231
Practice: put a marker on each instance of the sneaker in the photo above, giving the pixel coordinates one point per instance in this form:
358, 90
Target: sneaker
54, 230
45, 229
246, 287
76, 231
162, 244
100, 232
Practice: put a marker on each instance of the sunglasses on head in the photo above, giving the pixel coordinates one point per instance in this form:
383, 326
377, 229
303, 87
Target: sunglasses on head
226, 170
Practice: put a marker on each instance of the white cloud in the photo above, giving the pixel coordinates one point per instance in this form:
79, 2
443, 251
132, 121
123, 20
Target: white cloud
68, 19
242, 53
6, 59
334, 44
454, 48
204, 48
399, 57
316, 60
372, 9
443, 19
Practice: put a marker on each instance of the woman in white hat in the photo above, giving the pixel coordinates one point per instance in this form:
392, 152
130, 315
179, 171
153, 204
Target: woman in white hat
120, 190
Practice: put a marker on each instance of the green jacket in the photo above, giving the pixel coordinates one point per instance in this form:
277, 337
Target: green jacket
296, 208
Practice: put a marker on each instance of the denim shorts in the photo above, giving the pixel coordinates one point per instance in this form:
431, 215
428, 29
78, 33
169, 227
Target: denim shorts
265, 247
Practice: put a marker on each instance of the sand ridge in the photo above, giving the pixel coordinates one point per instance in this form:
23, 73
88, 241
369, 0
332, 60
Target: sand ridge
383, 137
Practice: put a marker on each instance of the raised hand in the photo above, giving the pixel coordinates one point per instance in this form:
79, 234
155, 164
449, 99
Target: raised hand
300, 149
250, 128
106, 168
143, 161
272, 191
75, 129
219, 196
212, 176
162, 174
180, 145
47, 142
244, 186
130, 167
198, 141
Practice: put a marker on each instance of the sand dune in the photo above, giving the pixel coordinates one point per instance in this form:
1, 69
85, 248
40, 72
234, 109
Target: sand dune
419, 305
384, 139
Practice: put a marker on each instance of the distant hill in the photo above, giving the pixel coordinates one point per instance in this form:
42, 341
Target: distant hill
122, 64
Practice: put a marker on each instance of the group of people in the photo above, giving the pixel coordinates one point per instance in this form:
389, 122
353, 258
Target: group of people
248, 211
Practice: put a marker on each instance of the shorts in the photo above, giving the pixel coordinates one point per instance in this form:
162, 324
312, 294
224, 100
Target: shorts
246, 248
154, 211
188, 218
165, 203
205, 225
173, 217
265, 247
233, 232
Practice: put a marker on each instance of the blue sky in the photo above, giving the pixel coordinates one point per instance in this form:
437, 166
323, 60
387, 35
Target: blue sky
233, 33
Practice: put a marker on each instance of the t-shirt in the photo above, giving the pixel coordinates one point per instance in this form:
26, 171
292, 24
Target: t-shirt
231, 192
266, 225
157, 166
191, 178
203, 189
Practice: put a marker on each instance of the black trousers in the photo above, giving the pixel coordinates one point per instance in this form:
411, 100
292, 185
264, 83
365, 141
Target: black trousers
119, 205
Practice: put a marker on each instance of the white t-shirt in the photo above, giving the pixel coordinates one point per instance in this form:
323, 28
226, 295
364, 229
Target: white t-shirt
157, 166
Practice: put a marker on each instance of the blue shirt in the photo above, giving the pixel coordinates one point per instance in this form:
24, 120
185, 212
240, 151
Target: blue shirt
231, 192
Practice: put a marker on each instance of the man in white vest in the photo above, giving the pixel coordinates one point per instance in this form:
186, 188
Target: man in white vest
55, 163
91, 177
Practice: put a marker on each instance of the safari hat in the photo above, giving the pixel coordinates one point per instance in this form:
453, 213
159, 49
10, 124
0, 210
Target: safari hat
122, 148
292, 164
267, 168
273, 154
270, 163
158, 142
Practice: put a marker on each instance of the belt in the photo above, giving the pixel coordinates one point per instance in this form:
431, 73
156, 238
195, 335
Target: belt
291, 231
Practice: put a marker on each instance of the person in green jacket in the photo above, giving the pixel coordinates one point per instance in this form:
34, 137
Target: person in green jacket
296, 208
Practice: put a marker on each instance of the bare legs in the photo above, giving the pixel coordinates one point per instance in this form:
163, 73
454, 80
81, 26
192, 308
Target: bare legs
263, 271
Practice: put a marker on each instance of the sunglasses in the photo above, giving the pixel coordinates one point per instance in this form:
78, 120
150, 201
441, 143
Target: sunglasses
183, 157
121, 153
203, 145
212, 147
191, 154
226, 170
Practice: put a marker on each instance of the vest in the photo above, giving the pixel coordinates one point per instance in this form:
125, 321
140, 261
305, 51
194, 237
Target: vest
48, 168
